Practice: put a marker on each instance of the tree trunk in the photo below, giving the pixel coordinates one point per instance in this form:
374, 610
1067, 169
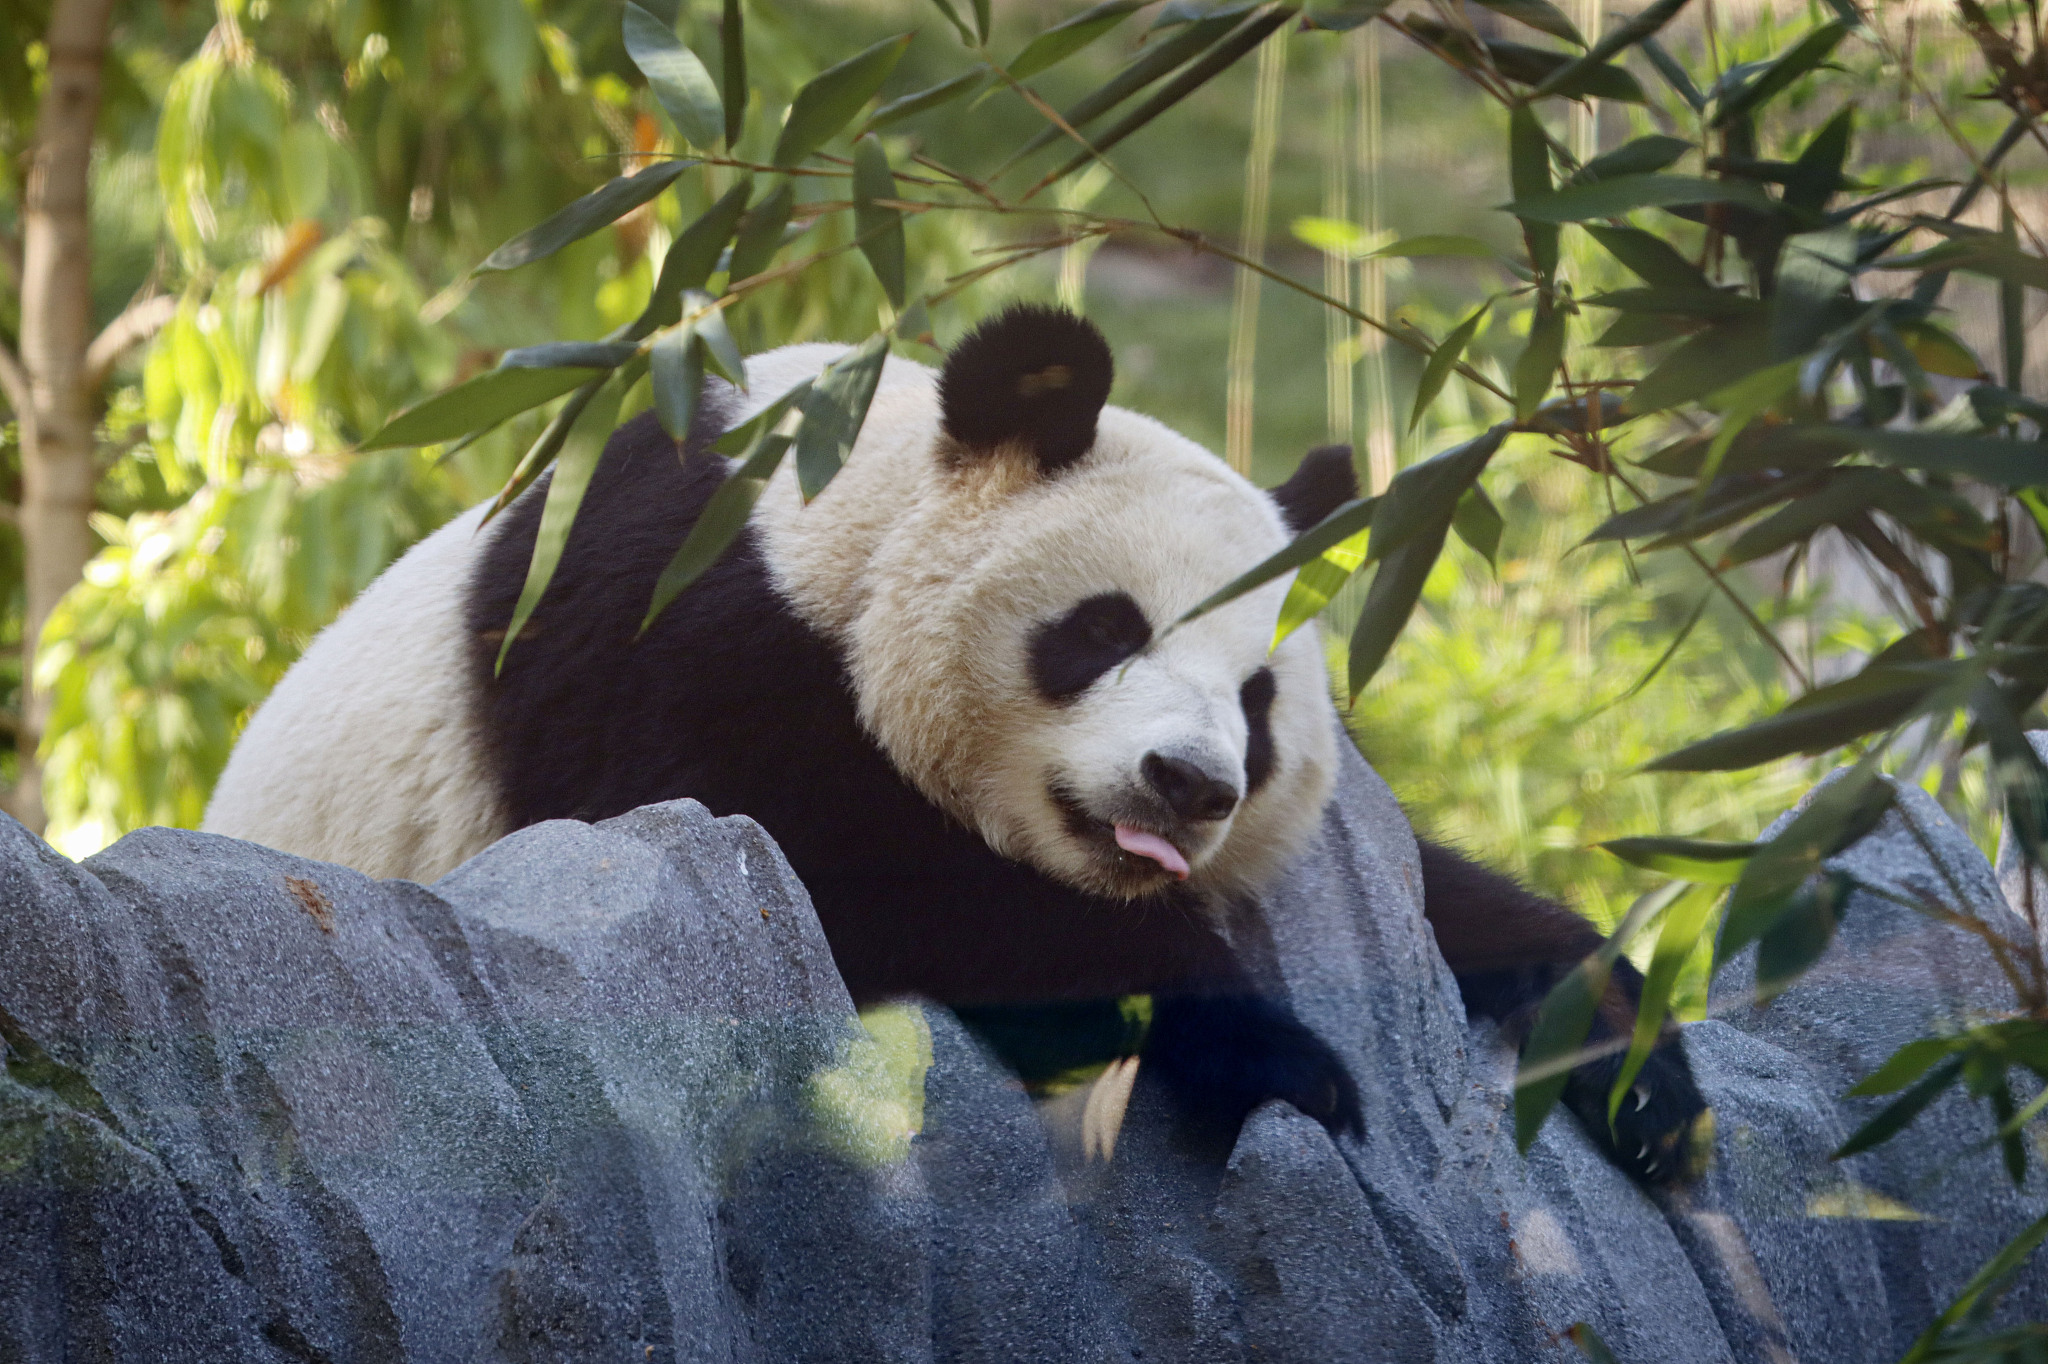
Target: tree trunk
56, 328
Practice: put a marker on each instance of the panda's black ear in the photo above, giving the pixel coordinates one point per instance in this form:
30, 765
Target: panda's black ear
1031, 375
1324, 482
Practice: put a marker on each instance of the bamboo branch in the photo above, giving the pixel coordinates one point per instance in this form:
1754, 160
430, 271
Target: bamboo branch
137, 322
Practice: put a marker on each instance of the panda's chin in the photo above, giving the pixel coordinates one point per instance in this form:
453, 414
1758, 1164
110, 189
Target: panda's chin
1108, 866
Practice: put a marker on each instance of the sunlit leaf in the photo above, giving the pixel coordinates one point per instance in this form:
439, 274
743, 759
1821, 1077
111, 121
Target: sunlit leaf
1442, 361
834, 412
1684, 922
761, 232
1565, 1017
1939, 351
484, 401
1340, 525
1317, 582
602, 206
1062, 40
571, 479
675, 75
829, 102
1627, 193
878, 228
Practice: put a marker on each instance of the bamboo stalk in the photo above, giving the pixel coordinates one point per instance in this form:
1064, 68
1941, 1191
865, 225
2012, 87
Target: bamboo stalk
1244, 310
1381, 452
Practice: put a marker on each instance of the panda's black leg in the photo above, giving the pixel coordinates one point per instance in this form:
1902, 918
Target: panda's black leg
1222, 1055
1508, 947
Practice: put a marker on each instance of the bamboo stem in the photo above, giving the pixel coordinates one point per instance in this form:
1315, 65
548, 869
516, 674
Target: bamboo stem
1244, 310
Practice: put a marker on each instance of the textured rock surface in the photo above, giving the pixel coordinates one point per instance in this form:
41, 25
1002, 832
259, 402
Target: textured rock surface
599, 1095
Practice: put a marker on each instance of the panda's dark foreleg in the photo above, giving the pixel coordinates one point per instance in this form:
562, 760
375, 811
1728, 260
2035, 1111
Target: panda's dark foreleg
1223, 1054
1508, 948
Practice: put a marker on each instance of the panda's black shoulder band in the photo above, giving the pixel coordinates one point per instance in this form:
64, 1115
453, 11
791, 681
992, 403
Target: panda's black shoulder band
1031, 375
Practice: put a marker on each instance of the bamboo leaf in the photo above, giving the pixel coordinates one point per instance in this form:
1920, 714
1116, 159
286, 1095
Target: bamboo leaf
1708, 361
1992, 459
1197, 74
679, 81
1802, 57
1988, 254
879, 229
1317, 582
1699, 860
981, 20
1900, 1113
1345, 15
1564, 1019
484, 401
675, 367
1479, 524
1674, 75
1540, 15
1652, 259
1643, 155
1817, 175
1442, 361
1589, 1343
1340, 525
743, 440
1905, 1065
1624, 35
732, 50
829, 102
1839, 814
1996, 1271
834, 412
1153, 62
1063, 40
1684, 923
602, 206
1826, 717
719, 524
945, 92
1529, 177
572, 354
571, 479
692, 257
761, 232
1537, 364
945, 7
721, 352
1627, 193
1801, 934
1939, 351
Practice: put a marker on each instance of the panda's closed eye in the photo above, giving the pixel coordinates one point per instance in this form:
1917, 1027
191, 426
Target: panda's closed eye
1067, 655
1257, 699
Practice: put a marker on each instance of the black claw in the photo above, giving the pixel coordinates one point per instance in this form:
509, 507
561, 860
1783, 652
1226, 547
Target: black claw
1666, 1134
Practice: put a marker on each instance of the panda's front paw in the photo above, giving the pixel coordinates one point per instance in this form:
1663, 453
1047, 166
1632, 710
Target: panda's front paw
1225, 1055
1663, 1132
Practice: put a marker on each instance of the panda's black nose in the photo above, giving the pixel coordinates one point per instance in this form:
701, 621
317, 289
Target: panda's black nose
1187, 790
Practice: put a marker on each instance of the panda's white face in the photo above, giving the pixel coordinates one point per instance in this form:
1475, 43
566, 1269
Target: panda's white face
1006, 630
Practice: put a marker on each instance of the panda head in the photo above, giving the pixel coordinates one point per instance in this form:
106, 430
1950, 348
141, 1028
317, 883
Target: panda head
1010, 647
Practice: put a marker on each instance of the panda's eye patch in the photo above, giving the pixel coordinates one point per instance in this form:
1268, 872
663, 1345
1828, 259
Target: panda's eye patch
1257, 699
1068, 654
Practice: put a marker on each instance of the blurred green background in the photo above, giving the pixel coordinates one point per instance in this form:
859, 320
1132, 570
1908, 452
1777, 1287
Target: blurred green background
311, 183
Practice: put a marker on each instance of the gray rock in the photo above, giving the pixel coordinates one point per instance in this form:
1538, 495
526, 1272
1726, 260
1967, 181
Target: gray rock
600, 1095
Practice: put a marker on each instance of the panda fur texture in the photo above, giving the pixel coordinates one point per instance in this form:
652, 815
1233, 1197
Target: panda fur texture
946, 688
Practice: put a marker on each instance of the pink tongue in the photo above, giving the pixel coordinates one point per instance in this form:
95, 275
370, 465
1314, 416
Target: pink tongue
1152, 846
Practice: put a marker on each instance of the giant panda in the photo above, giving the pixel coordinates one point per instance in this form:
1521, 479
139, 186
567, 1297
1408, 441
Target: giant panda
948, 690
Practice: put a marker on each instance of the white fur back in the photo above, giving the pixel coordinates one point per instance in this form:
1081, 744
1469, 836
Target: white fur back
366, 754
